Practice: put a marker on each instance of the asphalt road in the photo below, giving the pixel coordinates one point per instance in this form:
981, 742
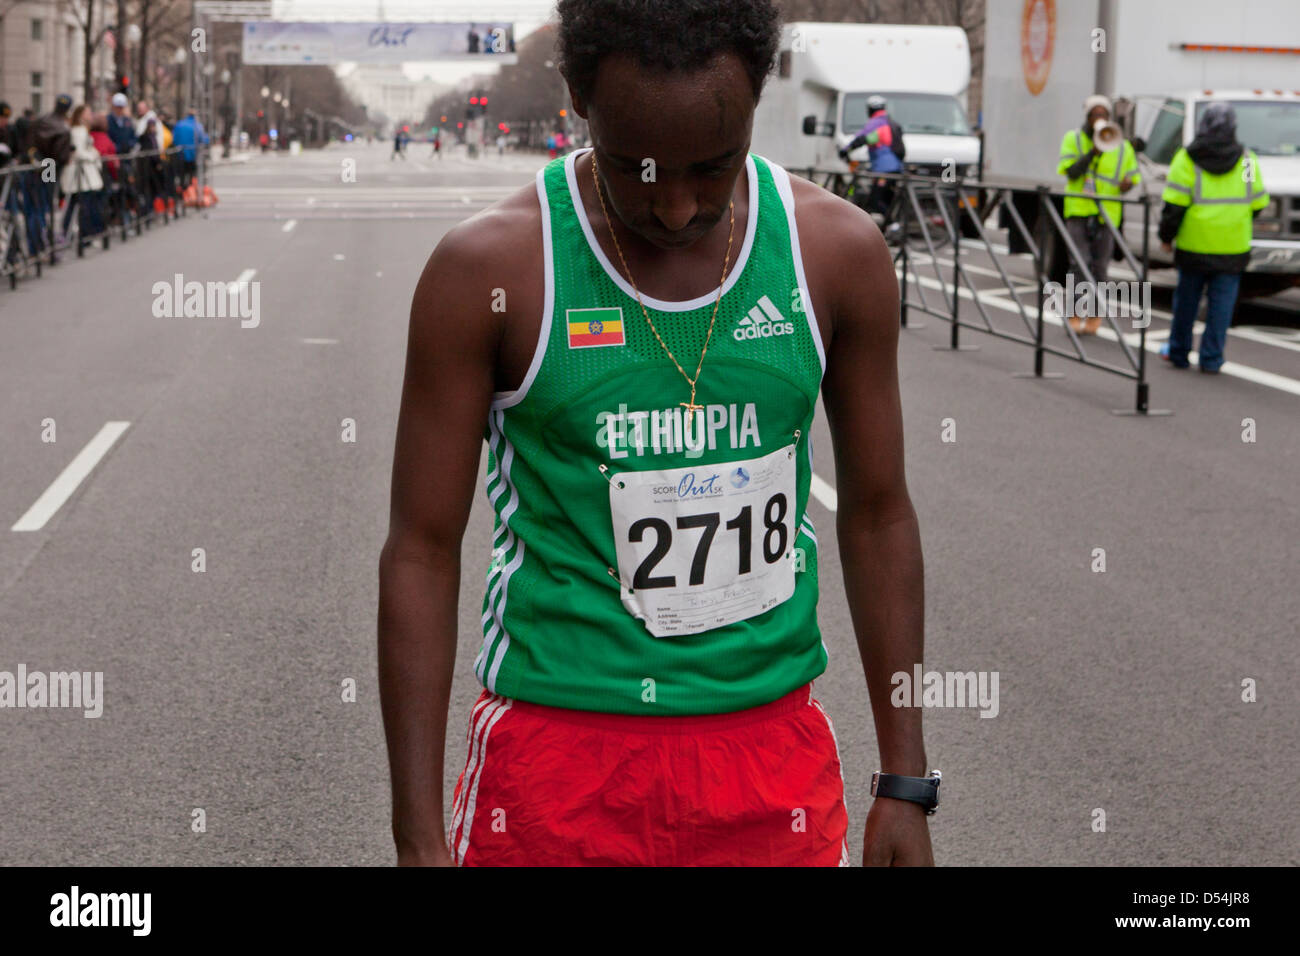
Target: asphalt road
1119, 690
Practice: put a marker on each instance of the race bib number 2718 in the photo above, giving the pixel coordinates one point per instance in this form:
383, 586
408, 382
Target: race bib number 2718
705, 546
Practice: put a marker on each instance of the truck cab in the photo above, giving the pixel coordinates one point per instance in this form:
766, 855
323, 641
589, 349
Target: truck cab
1268, 122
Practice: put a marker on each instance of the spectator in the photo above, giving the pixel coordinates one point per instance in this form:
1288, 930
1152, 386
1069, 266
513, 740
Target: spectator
155, 182
99, 136
22, 138
189, 134
120, 128
79, 178
8, 144
165, 125
142, 115
51, 135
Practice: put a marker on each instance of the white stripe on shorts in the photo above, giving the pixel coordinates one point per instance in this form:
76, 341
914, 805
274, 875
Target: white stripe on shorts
844, 848
488, 719
484, 716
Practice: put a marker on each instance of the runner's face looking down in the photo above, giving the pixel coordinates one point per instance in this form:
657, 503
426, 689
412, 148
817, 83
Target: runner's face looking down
695, 125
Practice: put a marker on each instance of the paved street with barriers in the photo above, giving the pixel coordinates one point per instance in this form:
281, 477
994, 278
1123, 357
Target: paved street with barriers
1122, 577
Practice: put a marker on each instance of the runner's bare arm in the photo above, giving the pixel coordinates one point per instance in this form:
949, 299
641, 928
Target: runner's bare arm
450, 366
879, 538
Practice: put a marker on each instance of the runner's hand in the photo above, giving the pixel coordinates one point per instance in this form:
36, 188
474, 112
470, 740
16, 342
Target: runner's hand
897, 835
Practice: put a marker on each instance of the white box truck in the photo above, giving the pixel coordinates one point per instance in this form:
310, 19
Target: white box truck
1162, 62
816, 101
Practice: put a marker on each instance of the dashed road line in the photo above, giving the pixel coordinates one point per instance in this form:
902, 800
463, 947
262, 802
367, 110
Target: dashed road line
55, 496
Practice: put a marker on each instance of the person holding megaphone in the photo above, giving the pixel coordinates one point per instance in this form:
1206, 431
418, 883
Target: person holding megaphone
1095, 159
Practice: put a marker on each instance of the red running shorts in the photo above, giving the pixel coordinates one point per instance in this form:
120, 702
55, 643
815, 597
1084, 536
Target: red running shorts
546, 786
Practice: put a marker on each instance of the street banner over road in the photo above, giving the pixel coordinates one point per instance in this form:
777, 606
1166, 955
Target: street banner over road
271, 42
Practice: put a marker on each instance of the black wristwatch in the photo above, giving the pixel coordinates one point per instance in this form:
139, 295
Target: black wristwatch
922, 790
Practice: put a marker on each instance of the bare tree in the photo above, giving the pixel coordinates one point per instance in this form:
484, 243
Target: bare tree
84, 14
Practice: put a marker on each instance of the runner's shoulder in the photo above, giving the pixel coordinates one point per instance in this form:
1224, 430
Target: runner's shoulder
498, 248
833, 228
844, 254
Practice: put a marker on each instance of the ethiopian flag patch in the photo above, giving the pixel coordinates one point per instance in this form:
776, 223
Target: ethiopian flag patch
592, 327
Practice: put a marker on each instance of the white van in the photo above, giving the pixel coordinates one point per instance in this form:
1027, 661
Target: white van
816, 102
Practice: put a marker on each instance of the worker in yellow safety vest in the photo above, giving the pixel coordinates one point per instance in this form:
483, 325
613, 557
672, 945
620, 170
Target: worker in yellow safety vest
1213, 192
1088, 169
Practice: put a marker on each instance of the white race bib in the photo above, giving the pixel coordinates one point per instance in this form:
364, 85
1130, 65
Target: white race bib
707, 545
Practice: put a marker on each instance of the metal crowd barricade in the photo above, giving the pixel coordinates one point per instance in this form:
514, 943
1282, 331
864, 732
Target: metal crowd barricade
39, 221
27, 207
935, 212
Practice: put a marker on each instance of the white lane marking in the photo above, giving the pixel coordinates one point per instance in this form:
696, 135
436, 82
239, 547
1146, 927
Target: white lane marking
1247, 372
824, 493
320, 341
311, 200
338, 257
1254, 335
71, 477
288, 226
245, 276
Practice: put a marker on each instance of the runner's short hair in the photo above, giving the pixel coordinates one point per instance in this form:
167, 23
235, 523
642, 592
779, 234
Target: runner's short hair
666, 34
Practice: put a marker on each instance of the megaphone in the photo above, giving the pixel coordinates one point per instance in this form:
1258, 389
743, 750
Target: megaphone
1106, 135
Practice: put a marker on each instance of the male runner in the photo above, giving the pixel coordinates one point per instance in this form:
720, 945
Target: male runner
649, 622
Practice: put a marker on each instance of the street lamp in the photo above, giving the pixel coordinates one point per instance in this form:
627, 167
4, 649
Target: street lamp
179, 59
266, 91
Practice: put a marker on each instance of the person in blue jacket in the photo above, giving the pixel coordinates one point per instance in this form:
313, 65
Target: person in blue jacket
878, 135
188, 134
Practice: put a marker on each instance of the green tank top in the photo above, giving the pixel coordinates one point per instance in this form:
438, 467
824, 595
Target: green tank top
643, 563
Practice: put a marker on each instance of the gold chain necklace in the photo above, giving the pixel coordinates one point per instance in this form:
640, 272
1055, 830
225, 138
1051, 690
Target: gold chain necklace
691, 407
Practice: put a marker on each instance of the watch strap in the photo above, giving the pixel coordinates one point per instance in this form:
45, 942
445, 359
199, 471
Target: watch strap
922, 790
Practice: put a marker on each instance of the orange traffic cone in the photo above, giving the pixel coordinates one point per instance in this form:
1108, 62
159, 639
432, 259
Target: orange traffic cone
209, 197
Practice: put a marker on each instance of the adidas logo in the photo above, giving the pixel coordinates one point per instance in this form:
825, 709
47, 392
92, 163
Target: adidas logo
761, 322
